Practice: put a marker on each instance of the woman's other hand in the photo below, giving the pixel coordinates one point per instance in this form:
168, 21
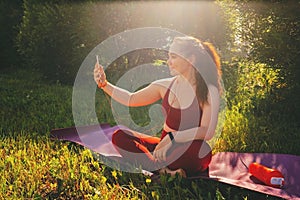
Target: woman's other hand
160, 151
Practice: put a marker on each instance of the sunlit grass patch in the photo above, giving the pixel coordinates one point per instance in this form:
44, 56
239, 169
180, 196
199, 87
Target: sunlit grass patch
34, 166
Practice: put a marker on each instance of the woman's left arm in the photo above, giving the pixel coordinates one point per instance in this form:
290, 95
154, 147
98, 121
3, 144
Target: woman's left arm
208, 122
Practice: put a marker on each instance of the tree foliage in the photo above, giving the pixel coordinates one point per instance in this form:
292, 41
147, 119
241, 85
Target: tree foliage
261, 72
55, 37
10, 18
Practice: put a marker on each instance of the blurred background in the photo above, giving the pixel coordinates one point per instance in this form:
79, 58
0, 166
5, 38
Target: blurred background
259, 44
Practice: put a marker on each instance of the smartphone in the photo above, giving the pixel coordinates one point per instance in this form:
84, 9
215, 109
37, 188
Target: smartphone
97, 58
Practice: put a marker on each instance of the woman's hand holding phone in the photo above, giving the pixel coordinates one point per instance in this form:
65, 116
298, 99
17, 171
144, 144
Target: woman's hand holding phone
99, 74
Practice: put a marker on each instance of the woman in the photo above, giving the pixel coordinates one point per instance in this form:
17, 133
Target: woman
190, 101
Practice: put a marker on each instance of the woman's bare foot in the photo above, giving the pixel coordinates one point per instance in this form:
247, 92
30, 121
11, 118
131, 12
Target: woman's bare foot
179, 171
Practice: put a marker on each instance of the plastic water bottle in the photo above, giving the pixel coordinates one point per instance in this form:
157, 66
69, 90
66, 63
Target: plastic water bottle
270, 177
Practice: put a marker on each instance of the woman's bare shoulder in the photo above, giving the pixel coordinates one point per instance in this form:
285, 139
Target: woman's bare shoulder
164, 82
163, 85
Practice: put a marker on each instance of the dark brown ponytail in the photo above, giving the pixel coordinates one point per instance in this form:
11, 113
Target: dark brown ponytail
214, 78
215, 56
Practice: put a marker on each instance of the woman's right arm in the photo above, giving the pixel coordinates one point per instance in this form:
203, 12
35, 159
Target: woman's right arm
145, 96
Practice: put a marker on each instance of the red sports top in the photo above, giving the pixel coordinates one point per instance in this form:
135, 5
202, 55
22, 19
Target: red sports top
181, 119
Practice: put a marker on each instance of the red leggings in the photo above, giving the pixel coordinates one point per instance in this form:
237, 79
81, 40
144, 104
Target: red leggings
193, 157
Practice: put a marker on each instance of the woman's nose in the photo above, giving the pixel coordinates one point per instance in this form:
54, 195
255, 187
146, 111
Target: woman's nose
168, 62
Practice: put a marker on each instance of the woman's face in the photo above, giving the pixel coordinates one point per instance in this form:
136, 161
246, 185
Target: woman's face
177, 64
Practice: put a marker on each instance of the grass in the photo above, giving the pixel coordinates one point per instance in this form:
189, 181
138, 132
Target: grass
35, 167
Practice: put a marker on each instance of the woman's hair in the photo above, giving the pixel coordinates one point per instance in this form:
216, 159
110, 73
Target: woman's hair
207, 64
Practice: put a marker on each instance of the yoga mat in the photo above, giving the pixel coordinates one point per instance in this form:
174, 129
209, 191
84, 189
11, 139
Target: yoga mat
226, 167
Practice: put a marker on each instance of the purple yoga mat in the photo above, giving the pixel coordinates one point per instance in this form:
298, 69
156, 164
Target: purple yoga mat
95, 137
226, 167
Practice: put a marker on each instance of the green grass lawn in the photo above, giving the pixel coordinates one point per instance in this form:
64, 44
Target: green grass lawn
35, 167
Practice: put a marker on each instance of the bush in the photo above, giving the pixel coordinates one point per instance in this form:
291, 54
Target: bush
51, 39
246, 127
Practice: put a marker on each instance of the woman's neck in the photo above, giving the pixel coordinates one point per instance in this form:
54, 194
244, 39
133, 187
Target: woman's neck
187, 78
